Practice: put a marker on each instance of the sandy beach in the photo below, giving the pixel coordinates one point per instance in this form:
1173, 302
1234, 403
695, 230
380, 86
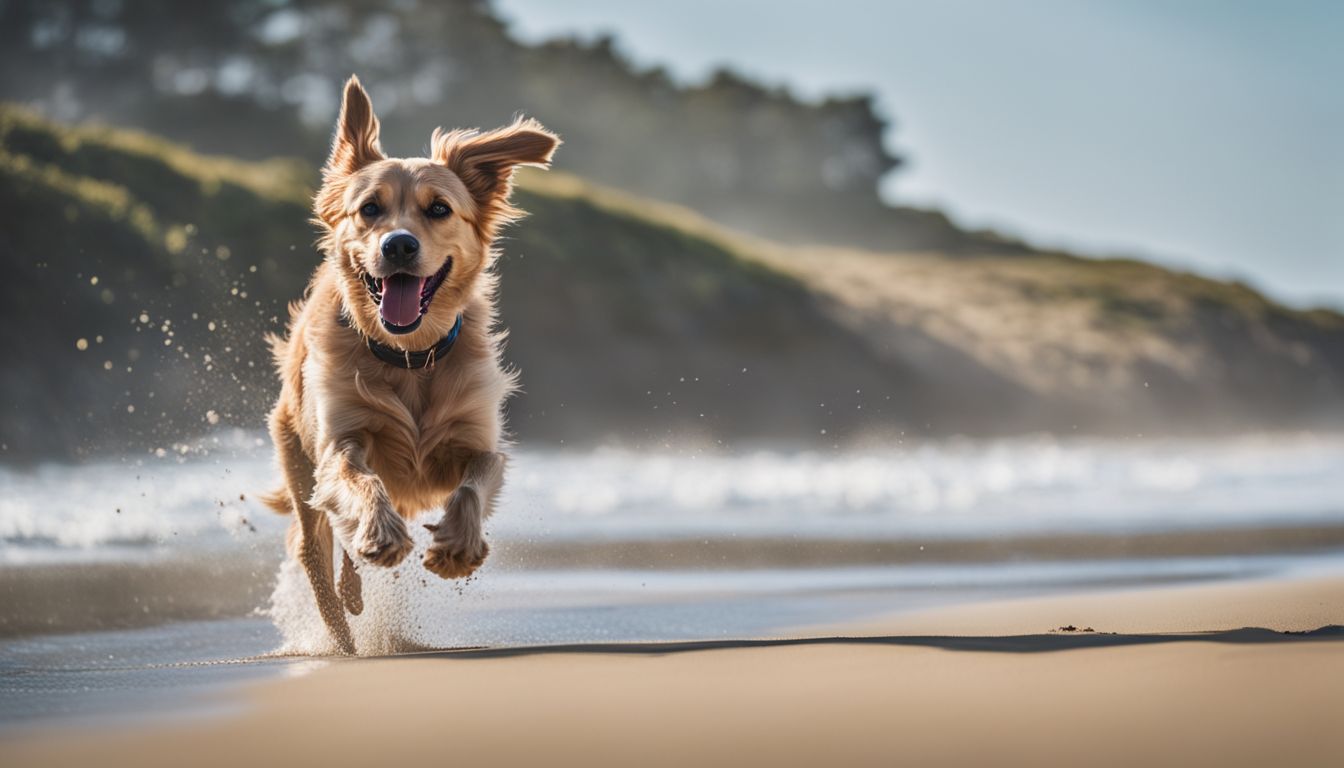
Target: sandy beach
742, 385
1242, 673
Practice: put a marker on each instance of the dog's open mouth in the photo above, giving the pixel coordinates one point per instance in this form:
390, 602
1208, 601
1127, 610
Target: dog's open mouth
403, 299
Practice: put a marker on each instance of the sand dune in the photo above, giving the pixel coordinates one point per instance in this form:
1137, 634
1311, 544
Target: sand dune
1172, 676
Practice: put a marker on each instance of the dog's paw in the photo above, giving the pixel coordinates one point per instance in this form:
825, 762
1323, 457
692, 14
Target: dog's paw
456, 560
382, 538
458, 548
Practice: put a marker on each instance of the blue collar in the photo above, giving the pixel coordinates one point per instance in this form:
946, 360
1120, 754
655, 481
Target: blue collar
402, 358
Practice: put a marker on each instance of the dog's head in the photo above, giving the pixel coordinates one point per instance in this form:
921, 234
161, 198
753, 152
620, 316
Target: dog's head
410, 237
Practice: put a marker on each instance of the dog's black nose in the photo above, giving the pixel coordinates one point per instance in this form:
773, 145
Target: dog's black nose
400, 248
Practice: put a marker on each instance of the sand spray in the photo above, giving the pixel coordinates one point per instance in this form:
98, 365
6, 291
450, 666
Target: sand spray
406, 608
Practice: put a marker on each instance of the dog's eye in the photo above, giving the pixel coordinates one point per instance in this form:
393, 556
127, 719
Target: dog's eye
370, 209
438, 210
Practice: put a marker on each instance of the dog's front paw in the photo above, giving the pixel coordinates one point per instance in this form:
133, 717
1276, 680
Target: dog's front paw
382, 538
455, 560
458, 548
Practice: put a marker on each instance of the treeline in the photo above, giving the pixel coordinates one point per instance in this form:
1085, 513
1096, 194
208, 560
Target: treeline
259, 78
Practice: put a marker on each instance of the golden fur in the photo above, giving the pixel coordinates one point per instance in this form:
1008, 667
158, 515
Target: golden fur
363, 445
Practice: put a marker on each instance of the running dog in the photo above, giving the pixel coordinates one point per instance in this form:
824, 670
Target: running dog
392, 384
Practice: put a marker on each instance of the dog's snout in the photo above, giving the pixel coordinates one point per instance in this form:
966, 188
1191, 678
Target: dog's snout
400, 248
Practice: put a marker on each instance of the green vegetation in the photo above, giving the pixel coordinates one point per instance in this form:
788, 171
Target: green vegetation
253, 78
170, 266
107, 227
631, 320
257, 78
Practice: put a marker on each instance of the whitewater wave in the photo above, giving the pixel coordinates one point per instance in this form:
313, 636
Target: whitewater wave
200, 499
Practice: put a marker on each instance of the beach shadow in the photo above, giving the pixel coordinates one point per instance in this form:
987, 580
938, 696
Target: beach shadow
1041, 643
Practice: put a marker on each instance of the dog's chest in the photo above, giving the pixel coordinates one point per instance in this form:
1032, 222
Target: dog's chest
413, 391
418, 417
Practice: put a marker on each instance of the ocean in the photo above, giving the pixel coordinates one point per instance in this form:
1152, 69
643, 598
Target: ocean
199, 498
158, 579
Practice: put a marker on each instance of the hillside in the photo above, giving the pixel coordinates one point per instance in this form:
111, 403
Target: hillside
257, 78
1043, 340
632, 321
171, 265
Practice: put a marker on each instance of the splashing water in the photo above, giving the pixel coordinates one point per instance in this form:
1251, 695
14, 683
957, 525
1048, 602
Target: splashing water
406, 608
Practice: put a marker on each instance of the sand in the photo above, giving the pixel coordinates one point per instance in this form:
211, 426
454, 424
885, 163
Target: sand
1181, 682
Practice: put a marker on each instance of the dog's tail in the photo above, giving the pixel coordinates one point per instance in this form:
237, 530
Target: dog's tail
278, 500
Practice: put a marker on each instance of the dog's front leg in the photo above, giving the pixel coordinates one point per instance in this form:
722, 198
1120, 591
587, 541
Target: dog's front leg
357, 503
459, 546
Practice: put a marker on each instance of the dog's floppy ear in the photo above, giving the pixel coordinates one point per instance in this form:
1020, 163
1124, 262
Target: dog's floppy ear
356, 141
485, 161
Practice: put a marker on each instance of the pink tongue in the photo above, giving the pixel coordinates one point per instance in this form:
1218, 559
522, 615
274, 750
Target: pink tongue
401, 299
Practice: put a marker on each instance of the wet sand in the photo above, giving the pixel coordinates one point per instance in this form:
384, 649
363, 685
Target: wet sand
1242, 673
46, 598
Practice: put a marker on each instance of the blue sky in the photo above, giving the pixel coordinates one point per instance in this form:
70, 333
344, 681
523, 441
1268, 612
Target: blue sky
1201, 133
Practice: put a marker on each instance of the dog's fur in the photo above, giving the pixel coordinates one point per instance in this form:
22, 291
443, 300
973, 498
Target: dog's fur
364, 445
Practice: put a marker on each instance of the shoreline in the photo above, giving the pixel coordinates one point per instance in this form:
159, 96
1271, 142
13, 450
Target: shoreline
1231, 673
46, 598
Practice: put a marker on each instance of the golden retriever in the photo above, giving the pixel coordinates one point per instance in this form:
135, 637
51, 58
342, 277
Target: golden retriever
392, 385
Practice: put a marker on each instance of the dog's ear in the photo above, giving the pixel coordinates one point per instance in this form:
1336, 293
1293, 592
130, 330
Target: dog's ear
485, 161
356, 141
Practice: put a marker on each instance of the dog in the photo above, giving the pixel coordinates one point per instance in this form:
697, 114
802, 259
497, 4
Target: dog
392, 384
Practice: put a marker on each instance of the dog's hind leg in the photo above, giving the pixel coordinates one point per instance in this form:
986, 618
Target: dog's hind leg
350, 586
313, 544
315, 556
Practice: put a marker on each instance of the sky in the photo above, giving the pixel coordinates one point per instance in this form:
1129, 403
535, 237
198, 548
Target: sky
1204, 134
